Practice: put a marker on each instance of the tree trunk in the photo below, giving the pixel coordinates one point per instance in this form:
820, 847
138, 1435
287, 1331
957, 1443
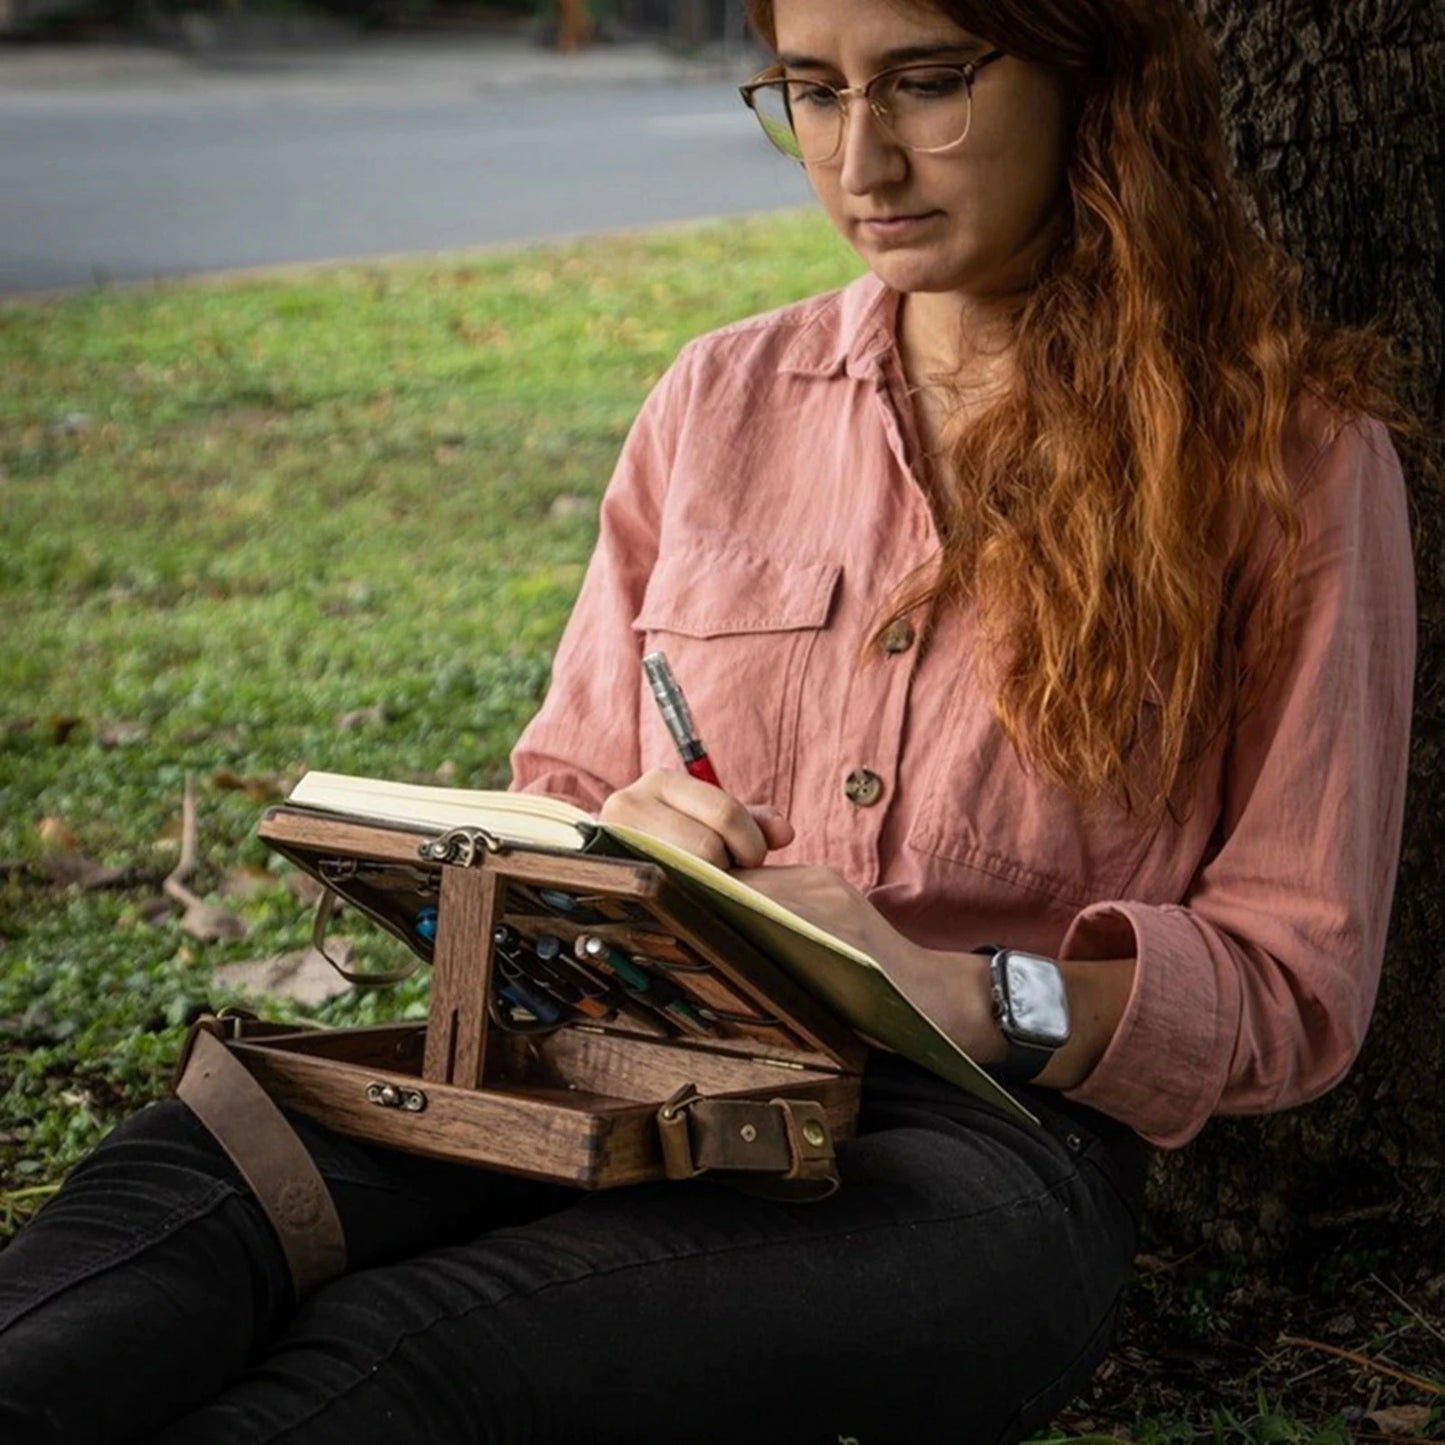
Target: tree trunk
1333, 108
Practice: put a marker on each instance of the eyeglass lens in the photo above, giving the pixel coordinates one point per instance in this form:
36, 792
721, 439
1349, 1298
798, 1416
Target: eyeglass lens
926, 108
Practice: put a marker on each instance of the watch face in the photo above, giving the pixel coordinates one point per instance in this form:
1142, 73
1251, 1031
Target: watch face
1037, 1006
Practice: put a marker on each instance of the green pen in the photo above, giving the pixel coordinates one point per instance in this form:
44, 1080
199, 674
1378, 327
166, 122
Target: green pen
592, 949
663, 997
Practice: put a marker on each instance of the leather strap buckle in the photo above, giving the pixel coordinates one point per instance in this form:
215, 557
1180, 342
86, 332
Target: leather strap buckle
224, 1026
788, 1139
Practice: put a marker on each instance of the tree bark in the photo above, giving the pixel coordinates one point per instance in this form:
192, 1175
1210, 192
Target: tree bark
1333, 108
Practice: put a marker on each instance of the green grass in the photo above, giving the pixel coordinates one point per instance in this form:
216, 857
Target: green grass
233, 513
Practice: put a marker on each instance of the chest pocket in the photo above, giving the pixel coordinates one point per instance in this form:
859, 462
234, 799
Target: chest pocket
1023, 835
738, 629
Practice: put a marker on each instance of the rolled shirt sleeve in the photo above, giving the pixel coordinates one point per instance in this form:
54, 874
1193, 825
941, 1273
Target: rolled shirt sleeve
1254, 992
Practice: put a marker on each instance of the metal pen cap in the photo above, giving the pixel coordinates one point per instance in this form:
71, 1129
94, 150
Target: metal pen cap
670, 701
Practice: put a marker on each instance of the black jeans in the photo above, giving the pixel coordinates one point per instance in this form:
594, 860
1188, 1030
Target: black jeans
960, 1287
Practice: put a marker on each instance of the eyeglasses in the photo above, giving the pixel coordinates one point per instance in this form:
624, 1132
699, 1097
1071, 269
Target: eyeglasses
923, 107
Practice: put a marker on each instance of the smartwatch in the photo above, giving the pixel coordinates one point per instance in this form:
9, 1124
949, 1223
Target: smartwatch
1031, 1008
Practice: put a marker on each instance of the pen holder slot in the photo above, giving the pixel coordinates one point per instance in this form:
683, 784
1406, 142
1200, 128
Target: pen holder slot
676, 989
684, 977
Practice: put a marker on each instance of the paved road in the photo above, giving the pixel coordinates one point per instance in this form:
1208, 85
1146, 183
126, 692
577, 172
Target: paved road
127, 164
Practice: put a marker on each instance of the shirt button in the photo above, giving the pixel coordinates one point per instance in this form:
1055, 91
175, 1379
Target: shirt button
897, 636
863, 787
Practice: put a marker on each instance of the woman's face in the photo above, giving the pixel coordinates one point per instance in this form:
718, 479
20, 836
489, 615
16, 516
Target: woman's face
974, 219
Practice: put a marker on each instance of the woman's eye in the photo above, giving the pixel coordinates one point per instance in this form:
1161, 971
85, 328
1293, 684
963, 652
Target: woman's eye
800, 94
930, 84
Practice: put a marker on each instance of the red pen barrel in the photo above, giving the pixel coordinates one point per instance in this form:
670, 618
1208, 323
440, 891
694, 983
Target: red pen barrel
702, 768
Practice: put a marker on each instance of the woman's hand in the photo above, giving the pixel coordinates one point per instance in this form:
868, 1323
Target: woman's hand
952, 989
698, 818
826, 898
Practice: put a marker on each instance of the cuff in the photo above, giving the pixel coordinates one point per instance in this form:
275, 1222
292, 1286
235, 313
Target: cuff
1165, 1067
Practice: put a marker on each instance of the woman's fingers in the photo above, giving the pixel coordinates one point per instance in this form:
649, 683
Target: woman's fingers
699, 818
777, 831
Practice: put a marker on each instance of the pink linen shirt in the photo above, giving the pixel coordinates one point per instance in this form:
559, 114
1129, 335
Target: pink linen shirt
762, 512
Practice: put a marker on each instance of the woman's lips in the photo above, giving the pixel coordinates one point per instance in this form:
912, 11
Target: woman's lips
888, 228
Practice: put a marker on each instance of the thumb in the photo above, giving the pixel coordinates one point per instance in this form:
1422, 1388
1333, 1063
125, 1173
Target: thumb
777, 831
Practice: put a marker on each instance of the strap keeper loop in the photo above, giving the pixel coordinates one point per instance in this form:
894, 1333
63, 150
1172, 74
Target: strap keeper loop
672, 1126
810, 1141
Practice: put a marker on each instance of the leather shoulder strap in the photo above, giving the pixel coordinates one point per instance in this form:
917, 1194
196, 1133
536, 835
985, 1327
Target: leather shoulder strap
221, 1092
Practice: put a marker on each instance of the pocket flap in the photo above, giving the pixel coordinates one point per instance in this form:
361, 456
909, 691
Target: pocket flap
701, 592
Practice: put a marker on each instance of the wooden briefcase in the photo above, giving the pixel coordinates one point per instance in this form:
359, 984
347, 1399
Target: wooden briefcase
689, 1052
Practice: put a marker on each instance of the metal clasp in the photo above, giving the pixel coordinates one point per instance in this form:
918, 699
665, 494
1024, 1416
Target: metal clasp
395, 1096
461, 847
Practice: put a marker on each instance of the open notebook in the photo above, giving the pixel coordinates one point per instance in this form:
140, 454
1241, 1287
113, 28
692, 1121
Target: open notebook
851, 983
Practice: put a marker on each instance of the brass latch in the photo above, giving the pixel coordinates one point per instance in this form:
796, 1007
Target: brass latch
461, 847
396, 1096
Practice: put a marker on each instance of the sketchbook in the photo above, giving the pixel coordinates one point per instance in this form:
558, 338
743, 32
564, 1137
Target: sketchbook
848, 981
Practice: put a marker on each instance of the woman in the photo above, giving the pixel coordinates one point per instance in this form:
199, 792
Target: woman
1048, 587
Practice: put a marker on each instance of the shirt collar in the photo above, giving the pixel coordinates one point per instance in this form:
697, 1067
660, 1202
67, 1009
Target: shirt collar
853, 328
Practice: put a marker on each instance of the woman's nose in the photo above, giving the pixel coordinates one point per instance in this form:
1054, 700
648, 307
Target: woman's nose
871, 157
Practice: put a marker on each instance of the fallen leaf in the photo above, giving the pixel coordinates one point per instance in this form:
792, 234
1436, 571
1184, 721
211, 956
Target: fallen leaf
67, 869
155, 910
147, 913
222, 737
304, 886
1400, 1419
121, 734
56, 834
209, 922
263, 788
360, 717
1153, 1263
246, 881
303, 977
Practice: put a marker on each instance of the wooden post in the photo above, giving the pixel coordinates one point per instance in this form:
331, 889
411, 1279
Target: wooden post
456, 1035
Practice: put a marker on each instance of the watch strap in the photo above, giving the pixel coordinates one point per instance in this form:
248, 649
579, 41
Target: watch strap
1023, 1063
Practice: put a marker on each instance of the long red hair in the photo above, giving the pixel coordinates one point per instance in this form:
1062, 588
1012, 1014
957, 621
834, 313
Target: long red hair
1105, 502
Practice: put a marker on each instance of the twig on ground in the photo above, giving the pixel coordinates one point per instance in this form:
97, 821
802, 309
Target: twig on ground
204, 921
32, 1191
175, 885
17, 1205
1401, 1300
1429, 1386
